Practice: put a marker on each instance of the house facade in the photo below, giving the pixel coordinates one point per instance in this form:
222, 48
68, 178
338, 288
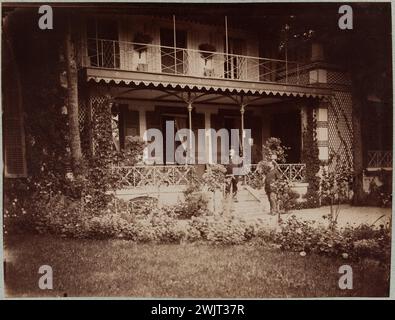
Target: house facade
205, 74
200, 76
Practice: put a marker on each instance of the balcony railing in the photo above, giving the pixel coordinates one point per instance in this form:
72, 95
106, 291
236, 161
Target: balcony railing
379, 159
130, 56
173, 175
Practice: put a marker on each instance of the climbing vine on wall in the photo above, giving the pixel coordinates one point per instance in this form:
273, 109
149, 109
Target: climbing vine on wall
310, 158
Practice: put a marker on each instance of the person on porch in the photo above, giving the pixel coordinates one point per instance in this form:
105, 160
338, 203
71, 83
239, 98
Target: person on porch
231, 178
270, 187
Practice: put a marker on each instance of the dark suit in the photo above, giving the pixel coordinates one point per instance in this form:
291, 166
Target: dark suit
232, 184
271, 178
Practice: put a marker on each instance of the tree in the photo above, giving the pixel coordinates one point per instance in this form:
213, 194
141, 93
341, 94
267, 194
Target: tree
357, 107
72, 99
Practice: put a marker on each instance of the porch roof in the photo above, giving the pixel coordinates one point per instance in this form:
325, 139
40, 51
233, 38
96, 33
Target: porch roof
135, 78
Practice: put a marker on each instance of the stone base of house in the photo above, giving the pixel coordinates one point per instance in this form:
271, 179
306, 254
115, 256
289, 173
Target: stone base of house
171, 195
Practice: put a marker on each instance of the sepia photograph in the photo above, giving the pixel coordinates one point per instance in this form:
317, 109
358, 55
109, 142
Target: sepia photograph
196, 150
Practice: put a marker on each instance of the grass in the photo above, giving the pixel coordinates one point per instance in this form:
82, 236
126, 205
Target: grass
123, 268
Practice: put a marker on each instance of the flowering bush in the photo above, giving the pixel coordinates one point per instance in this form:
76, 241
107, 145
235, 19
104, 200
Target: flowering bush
224, 230
334, 187
274, 150
302, 236
287, 198
360, 242
195, 201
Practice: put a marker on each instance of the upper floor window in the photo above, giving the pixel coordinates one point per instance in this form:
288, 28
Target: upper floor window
103, 45
173, 60
233, 65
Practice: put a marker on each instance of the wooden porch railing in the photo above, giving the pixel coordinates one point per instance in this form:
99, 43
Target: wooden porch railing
292, 172
379, 159
173, 175
140, 176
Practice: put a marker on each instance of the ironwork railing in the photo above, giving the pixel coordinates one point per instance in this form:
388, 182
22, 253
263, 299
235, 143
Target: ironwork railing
379, 159
172, 175
141, 57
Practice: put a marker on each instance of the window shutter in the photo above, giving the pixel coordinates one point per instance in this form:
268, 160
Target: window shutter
13, 131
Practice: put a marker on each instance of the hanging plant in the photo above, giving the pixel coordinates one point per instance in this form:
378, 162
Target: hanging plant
206, 50
140, 40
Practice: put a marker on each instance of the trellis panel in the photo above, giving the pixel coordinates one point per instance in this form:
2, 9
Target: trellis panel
340, 126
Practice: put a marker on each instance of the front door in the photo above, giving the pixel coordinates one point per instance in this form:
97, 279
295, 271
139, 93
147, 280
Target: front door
287, 127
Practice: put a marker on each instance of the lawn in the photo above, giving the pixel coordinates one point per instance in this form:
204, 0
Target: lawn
123, 268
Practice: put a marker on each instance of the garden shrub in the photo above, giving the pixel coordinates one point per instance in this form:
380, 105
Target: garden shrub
67, 217
156, 227
287, 198
258, 177
195, 202
214, 178
222, 230
371, 242
380, 195
274, 150
302, 236
334, 189
352, 242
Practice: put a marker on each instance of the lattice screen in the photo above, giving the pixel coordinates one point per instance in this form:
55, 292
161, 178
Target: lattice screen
340, 116
82, 113
338, 78
340, 126
84, 125
96, 107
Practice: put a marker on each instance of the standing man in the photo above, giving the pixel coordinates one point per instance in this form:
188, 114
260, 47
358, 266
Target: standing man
270, 187
231, 185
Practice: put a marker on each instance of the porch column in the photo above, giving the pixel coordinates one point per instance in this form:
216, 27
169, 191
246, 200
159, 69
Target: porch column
142, 122
190, 130
242, 110
207, 126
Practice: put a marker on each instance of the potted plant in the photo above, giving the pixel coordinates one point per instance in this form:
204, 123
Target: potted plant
206, 50
140, 39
